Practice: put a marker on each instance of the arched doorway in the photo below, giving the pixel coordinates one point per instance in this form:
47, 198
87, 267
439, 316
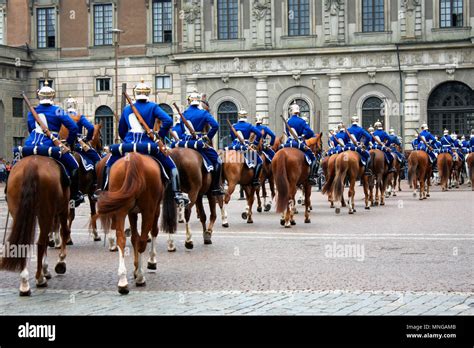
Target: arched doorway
3, 145
451, 106
226, 110
166, 108
105, 116
372, 111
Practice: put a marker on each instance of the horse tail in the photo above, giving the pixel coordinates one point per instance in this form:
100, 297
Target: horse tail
329, 180
412, 166
338, 184
282, 184
23, 229
444, 170
169, 222
133, 184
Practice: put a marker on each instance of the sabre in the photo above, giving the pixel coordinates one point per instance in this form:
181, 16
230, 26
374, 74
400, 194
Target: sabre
293, 133
188, 126
423, 140
242, 141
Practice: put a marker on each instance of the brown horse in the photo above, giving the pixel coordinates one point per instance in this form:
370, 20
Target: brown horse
445, 165
328, 165
196, 182
290, 171
419, 171
35, 193
135, 186
393, 179
86, 182
347, 165
379, 178
470, 168
456, 172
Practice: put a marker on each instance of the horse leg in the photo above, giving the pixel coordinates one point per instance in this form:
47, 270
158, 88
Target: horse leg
225, 222
95, 235
60, 267
41, 280
181, 214
289, 213
139, 247
271, 183
365, 183
151, 264
259, 201
71, 217
24, 283
121, 240
188, 243
250, 193
307, 203
212, 219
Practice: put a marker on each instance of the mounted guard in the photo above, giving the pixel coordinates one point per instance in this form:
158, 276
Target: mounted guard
363, 141
426, 142
266, 132
381, 142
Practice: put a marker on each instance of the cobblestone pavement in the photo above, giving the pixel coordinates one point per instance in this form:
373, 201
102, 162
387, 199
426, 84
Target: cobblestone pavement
408, 257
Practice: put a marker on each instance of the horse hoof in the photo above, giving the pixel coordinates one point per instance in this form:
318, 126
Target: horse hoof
307, 221
47, 275
259, 209
420, 198
428, 195
148, 240
123, 290
383, 203
70, 242
51, 244
282, 222
268, 207
25, 293
292, 222
181, 221
351, 212
311, 208
172, 250
338, 210
207, 240
113, 249
244, 216
97, 239
188, 245
140, 285
250, 221
42, 285
60, 268
151, 266
287, 226
226, 225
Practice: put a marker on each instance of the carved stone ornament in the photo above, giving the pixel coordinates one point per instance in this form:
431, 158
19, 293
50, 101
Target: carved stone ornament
332, 6
260, 8
410, 5
191, 11
372, 74
450, 70
296, 75
225, 78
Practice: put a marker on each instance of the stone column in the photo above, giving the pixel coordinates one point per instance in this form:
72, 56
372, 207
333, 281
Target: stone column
335, 101
261, 101
411, 107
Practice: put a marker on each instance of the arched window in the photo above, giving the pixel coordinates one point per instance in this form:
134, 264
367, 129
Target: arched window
371, 111
304, 108
373, 15
105, 116
227, 110
166, 108
451, 106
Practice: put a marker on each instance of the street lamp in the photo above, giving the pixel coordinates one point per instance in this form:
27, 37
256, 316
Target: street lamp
116, 33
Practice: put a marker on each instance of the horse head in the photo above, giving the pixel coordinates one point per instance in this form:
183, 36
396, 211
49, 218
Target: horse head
316, 144
96, 141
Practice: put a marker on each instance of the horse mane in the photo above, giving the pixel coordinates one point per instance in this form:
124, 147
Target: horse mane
315, 143
96, 140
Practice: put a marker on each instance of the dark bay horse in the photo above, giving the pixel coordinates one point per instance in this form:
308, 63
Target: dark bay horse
291, 171
196, 182
379, 179
419, 171
456, 172
35, 193
136, 187
445, 166
347, 165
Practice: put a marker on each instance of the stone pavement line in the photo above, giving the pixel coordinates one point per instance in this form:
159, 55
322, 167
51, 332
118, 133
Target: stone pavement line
293, 302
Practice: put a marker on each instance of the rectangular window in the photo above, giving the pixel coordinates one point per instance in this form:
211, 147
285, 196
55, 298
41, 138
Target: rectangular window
103, 25
46, 27
163, 82
162, 21
42, 81
228, 19
102, 84
373, 15
18, 141
451, 13
17, 107
298, 17
2, 15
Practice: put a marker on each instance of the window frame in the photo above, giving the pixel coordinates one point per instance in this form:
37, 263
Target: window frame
93, 23
19, 101
107, 91
3, 25
36, 26
171, 24
163, 89
372, 23
451, 4
299, 21
217, 22
437, 17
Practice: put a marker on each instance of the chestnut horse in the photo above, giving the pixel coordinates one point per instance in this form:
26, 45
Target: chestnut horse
445, 165
290, 171
470, 168
135, 186
379, 179
347, 165
86, 181
35, 192
456, 172
328, 165
196, 182
419, 171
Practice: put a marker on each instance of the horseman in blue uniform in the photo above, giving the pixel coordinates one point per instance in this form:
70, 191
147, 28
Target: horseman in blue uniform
245, 130
132, 132
266, 132
471, 141
447, 143
362, 137
428, 139
53, 117
303, 131
393, 142
199, 118
465, 145
457, 146
90, 157
382, 136
332, 143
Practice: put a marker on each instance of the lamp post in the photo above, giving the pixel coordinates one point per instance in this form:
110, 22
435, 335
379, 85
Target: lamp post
116, 33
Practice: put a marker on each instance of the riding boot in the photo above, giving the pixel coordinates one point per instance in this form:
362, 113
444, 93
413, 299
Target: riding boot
104, 185
216, 187
368, 170
180, 198
313, 174
256, 176
76, 195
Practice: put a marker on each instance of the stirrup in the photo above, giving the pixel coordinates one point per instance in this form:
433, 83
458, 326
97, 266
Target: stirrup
218, 192
313, 181
78, 199
181, 199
